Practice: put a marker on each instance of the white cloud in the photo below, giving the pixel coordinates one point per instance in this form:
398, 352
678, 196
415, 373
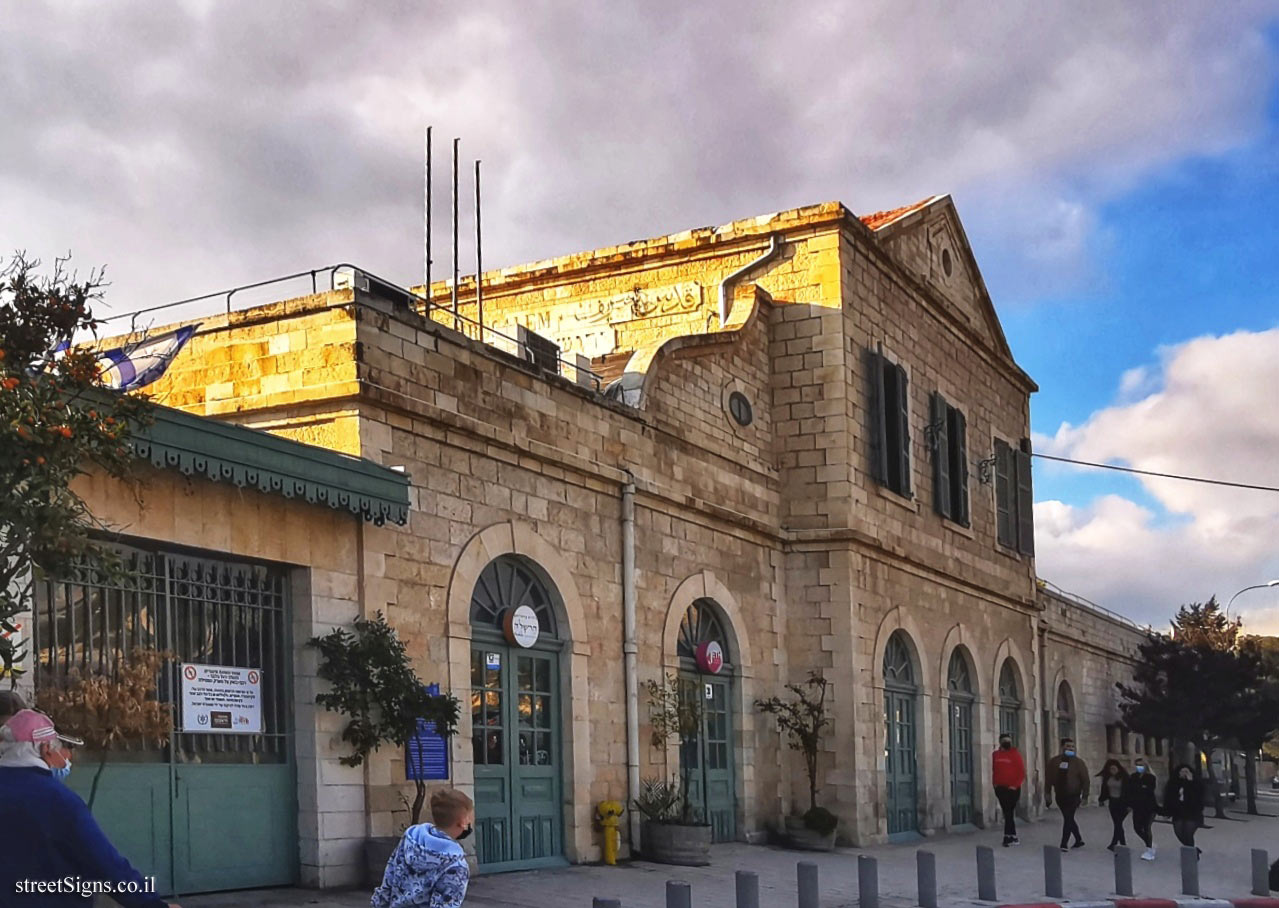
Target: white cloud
192, 147
1208, 411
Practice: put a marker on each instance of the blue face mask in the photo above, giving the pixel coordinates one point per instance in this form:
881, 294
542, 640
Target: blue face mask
1141, 769
63, 772
1070, 753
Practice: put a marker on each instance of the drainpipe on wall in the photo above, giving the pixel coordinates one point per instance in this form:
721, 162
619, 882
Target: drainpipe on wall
630, 651
725, 286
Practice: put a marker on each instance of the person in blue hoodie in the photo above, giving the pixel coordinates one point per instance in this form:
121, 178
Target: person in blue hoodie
428, 868
48, 838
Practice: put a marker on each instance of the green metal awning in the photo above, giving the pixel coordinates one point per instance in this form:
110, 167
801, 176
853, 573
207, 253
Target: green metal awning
251, 458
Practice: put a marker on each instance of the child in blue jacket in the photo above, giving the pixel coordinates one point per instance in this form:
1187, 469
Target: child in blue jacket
428, 867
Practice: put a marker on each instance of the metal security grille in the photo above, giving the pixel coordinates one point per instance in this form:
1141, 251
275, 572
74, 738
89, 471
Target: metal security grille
203, 609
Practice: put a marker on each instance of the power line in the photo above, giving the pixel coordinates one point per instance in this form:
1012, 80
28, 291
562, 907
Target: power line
1111, 466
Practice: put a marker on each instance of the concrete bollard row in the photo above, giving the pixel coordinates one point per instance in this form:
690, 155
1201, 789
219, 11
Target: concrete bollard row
747, 889
679, 894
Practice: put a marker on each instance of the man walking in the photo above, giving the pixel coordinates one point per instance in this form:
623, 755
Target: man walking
1068, 782
1008, 773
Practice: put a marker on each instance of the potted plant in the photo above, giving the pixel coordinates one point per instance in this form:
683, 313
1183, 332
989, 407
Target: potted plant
373, 683
673, 831
803, 718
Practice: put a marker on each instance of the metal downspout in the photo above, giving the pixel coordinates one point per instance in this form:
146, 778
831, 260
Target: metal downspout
725, 286
630, 651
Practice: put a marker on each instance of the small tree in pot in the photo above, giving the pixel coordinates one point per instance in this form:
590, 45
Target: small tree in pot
674, 830
804, 719
373, 683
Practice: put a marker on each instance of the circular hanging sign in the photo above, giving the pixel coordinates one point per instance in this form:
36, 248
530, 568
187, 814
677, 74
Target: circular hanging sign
710, 657
521, 626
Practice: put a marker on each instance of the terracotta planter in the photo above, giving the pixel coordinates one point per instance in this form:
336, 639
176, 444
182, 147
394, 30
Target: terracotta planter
377, 851
675, 843
800, 836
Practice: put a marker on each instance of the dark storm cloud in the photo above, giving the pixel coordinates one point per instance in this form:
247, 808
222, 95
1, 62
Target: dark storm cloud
192, 146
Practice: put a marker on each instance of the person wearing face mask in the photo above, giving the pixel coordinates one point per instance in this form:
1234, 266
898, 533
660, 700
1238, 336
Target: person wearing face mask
1008, 774
48, 834
1114, 779
1068, 782
1183, 804
428, 867
1139, 793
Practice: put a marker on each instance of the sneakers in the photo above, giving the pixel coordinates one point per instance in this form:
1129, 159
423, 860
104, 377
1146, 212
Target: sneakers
1015, 841
1079, 844
1007, 841
1064, 849
1148, 854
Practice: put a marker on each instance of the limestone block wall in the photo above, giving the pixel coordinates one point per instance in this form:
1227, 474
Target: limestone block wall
323, 545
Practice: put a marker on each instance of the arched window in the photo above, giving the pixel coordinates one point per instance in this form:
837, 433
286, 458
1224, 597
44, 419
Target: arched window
958, 679
701, 624
1010, 702
899, 669
508, 583
1065, 712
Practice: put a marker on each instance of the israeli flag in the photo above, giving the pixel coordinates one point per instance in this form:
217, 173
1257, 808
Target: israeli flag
136, 366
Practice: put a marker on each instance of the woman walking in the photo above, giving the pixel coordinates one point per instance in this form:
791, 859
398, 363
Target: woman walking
1114, 779
1139, 793
1183, 801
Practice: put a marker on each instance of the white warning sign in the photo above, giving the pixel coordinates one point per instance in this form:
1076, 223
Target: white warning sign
221, 699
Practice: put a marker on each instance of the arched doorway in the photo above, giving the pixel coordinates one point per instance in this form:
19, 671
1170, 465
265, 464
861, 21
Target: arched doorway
706, 668
515, 725
1065, 712
901, 693
1010, 702
959, 690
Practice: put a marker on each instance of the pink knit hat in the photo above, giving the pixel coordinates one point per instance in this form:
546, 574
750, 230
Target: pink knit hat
36, 728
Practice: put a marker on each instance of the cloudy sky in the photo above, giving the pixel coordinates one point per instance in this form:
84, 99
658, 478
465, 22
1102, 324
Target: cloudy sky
1116, 166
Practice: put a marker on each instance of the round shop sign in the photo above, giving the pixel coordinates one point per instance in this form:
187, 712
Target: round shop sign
710, 657
521, 626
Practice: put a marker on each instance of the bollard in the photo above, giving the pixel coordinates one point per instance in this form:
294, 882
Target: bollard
679, 894
1260, 872
1189, 870
1052, 872
1123, 870
867, 882
985, 873
807, 873
926, 873
606, 903
747, 889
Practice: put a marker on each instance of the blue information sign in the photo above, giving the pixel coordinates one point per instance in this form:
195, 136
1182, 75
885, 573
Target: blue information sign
428, 754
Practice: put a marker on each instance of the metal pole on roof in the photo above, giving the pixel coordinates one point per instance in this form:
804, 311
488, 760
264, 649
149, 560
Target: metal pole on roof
479, 266
426, 240
455, 320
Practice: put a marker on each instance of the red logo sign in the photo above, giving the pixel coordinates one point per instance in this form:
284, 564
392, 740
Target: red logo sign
710, 657
253, 677
189, 672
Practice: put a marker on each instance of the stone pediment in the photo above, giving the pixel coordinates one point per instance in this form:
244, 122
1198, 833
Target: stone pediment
928, 240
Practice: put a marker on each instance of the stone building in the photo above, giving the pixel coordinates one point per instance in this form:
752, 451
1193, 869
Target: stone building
801, 437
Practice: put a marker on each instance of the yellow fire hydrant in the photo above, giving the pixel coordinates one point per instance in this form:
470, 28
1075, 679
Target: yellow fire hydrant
609, 814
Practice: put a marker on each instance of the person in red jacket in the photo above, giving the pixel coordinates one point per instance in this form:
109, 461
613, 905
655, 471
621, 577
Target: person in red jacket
1008, 772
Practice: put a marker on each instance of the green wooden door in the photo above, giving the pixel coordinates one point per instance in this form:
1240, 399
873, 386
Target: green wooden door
132, 807
708, 760
899, 761
518, 765
961, 761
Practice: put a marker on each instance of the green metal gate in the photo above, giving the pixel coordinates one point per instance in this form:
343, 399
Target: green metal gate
900, 696
208, 811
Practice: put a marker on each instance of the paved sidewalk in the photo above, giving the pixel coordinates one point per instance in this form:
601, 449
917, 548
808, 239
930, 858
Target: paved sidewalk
1088, 872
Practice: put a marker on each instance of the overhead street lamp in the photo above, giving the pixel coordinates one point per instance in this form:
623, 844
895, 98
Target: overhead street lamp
1257, 586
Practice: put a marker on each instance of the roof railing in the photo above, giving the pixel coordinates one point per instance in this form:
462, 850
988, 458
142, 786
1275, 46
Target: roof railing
1049, 586
461, 323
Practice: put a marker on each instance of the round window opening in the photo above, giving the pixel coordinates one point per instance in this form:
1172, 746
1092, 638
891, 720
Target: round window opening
945, 262
740, 409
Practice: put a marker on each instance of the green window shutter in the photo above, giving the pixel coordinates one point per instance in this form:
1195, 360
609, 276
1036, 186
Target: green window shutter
1005, 528
1025, 501
903, 414
878, 417
938, 419
959, 468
